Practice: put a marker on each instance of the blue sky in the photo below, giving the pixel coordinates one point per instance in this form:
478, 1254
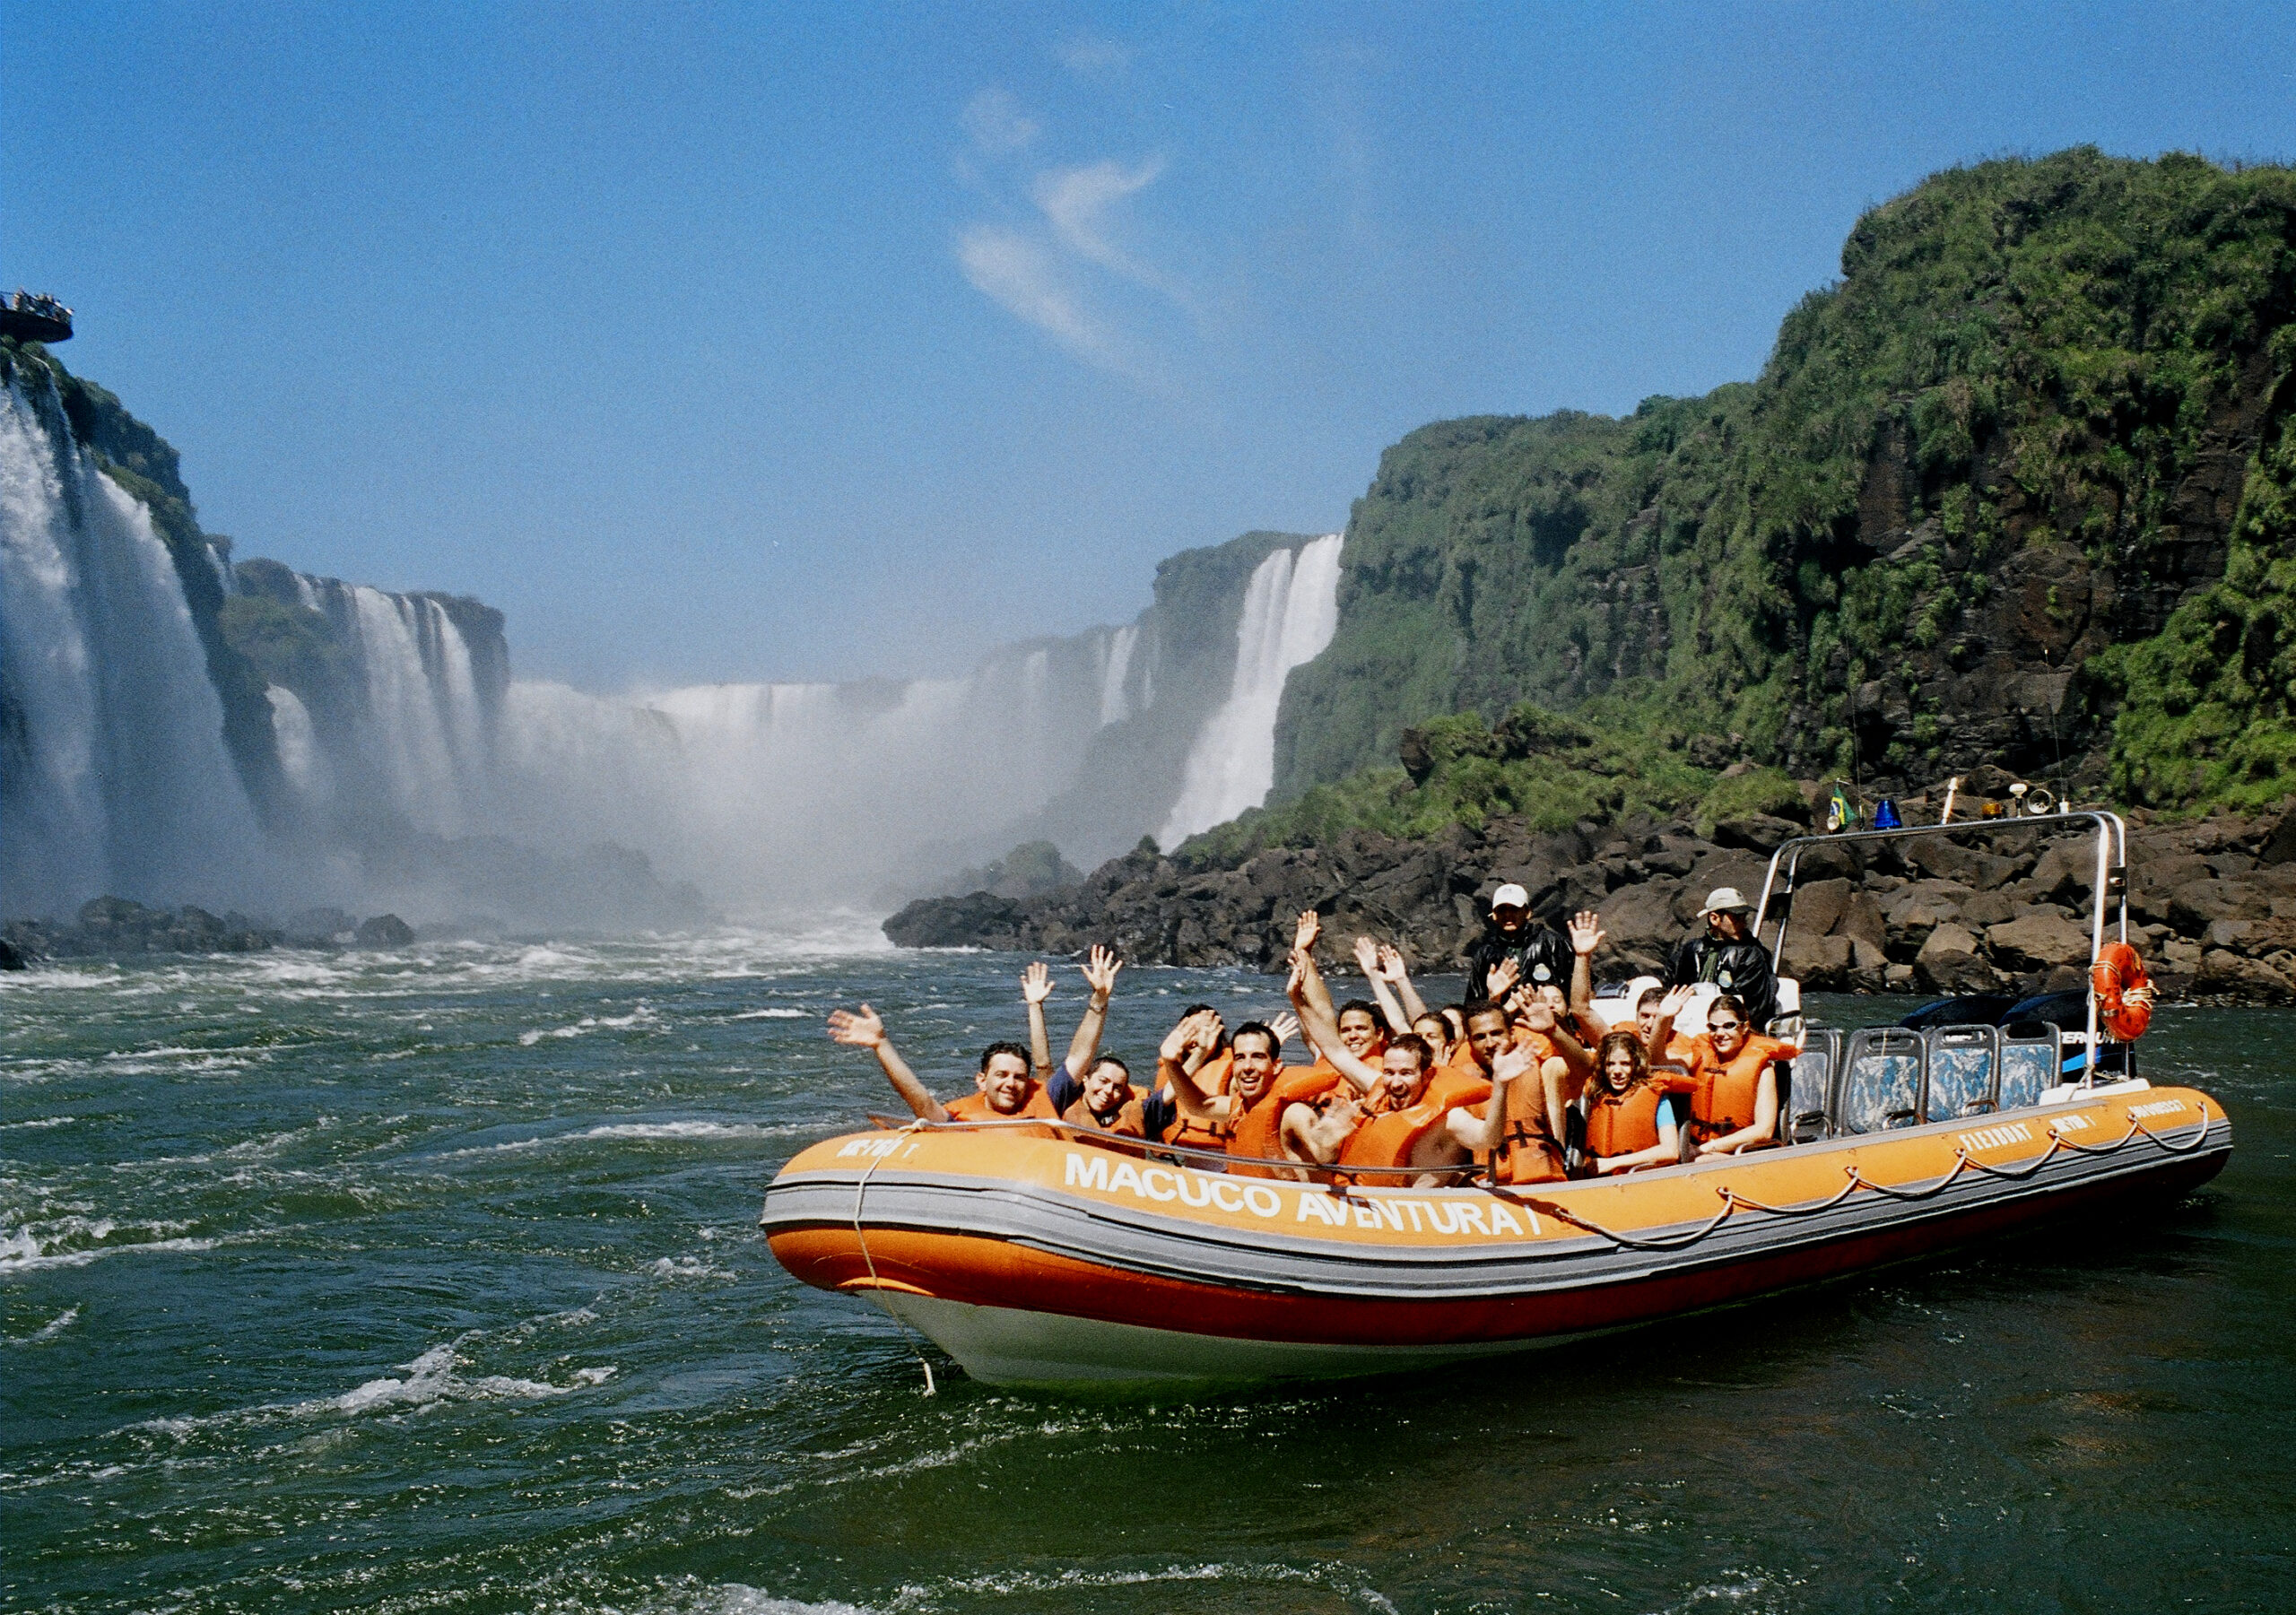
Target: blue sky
740, 342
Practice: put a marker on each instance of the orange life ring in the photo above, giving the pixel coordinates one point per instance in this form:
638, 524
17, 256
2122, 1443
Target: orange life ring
2124, 992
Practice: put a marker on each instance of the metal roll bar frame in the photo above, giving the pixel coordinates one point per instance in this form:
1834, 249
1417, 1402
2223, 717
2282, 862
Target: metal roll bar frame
2109, 886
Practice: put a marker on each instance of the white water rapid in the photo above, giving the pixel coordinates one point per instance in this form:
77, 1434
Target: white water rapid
113, 775
1291, 612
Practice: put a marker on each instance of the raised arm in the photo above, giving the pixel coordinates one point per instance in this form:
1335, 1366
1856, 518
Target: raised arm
1036, 986
1176, 1072
1100, 968
1586, 936
1321, 1029
1663, 1034
1367, 959
1303, 950
863, 1028
1398, 976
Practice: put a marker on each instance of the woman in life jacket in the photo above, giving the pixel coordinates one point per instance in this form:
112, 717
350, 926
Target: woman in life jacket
1629, 1116
1005, 1089
1108, 1102
1733, 1081
1542, 1023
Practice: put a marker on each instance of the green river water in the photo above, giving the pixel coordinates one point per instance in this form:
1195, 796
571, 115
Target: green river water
431, 1282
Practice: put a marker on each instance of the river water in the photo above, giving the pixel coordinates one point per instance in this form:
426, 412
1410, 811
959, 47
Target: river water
431, 1282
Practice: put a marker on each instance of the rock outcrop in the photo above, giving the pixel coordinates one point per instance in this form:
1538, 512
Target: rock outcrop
2212, 903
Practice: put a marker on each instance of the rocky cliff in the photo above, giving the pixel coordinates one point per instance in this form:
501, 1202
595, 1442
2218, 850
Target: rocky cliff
2213, 903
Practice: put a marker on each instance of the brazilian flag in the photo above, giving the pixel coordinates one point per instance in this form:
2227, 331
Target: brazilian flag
1843, 814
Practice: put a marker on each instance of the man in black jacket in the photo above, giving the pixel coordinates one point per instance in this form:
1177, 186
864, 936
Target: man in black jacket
1542, 954
1728, 956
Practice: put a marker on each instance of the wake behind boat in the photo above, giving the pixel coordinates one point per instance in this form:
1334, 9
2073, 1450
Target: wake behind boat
1044, 1253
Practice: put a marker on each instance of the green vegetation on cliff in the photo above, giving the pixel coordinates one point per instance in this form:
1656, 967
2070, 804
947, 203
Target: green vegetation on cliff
1618, 756
2015, 433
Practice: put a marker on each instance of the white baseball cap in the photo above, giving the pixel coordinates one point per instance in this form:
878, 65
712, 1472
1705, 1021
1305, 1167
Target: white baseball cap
1510, 896
1725, 900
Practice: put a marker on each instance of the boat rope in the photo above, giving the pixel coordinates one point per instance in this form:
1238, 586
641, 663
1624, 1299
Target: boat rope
860, 1189
1673, 1242
1964, 1160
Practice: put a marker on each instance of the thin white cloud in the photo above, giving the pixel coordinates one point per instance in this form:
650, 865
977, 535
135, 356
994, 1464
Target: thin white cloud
1088, 53
1077, 202
997, 124
1030, 281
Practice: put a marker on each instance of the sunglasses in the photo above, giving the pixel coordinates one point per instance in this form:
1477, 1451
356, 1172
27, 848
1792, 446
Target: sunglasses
1724, 1026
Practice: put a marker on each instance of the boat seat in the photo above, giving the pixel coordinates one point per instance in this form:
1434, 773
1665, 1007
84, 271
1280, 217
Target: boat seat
1881, 1081
1961, 1062
2029, 1062
1806, 1088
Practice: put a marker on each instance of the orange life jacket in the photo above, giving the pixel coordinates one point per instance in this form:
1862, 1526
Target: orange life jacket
1623, 1124
1259, 1130
1451, 1088
1390, 1136
975, 1108
1528, 1151
1722, 1098
1211, 1079
1131, 1119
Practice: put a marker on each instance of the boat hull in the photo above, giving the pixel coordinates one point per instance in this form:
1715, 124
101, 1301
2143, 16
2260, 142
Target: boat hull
1047, 1262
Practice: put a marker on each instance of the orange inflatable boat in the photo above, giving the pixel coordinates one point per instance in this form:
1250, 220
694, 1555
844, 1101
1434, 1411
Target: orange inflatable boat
1055, 1261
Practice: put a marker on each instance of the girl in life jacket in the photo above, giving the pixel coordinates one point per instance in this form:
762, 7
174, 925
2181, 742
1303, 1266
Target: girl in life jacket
1004, 1088
1734, 1084
1628, 1113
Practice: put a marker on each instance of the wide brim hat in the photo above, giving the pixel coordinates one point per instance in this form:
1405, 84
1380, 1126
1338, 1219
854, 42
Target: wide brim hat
1725, 900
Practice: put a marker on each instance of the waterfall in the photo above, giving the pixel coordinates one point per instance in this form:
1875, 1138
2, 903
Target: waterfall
782, 792
1291, 612
113, 775
414, 727
1116, 670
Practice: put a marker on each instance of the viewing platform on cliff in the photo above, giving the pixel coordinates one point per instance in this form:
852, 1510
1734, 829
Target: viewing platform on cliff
34, 317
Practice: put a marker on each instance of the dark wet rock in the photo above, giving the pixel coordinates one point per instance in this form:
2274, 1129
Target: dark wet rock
977, 920
115, 928
1757, 832
12, 958
2003, 914
1949, 963
384, 931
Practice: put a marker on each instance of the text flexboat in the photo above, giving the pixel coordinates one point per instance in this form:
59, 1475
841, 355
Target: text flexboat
1053, 1260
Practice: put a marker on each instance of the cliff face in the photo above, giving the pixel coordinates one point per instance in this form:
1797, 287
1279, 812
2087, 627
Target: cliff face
2045, 407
